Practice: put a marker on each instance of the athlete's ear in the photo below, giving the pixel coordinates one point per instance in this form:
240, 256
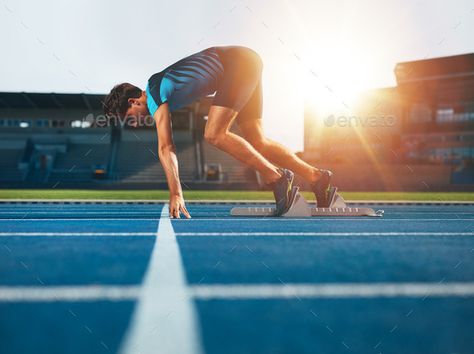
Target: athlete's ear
132, 100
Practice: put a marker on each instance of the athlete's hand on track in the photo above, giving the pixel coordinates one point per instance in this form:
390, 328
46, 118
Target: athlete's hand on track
177, 206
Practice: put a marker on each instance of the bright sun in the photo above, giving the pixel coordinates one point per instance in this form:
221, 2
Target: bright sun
335, 79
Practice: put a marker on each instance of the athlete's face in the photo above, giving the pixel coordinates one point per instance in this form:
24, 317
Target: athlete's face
138, 111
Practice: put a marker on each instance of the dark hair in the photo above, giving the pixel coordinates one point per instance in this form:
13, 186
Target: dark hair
116, 103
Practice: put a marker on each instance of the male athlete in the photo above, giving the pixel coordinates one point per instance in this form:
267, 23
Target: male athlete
234, 74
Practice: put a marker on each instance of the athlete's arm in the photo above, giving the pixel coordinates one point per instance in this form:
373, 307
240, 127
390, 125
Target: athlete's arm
169, 161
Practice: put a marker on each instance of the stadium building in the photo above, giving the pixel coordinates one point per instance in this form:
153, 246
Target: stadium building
418, 135
63, 140
438, 112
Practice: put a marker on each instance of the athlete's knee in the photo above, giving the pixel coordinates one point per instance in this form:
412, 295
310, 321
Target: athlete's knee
214, 137
210, 136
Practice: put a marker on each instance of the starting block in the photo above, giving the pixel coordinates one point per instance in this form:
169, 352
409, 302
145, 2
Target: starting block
301, 208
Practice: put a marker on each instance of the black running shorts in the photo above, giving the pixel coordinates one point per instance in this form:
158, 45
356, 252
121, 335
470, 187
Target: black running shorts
240, 87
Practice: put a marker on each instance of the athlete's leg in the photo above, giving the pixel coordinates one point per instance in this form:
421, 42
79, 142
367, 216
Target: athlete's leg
253, 132
217, 133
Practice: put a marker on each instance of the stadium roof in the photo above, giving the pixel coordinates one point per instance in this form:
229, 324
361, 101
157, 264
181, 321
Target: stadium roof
435, 68
26, 100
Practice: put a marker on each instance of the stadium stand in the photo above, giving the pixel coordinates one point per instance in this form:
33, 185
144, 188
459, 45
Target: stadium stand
187, 162
233, 171
57, 139
9, 160
138, 162
77, 163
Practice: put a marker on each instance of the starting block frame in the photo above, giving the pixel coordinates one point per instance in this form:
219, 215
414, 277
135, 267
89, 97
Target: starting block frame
301, 208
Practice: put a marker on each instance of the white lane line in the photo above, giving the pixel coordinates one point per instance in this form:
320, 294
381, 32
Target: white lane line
59, 234
161, 321
346, 290
431, 212
72, 212
229, 291
77, 219
194, 219
319, 218
69, 293
180, 234
205, 234
164, 320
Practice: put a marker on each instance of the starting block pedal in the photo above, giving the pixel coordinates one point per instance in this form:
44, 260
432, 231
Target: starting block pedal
301, 208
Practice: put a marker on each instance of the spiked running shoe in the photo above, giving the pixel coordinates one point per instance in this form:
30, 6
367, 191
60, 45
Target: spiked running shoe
283, 192
320, 189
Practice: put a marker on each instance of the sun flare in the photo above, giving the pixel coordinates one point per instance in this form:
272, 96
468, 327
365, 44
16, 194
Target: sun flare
336, 79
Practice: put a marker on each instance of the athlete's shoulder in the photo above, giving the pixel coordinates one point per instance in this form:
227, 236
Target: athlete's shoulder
155, 79
156, 96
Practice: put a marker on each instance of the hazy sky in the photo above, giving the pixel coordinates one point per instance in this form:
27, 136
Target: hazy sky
312, 50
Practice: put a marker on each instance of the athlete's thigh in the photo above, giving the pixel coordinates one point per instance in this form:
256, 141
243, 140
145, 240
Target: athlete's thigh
253, 107
219, 119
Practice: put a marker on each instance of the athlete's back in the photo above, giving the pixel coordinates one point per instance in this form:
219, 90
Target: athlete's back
185, 81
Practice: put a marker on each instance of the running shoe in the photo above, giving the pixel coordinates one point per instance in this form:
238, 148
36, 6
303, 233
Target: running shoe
283, 192
320, 188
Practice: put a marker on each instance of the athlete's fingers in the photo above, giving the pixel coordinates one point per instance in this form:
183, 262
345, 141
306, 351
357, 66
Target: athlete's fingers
185, 211
188, 215
173, 212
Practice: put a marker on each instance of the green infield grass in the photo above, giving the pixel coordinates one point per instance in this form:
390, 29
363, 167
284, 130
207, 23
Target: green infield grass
221, 195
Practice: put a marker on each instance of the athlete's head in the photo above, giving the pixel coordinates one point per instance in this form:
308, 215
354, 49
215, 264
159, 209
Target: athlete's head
126, 103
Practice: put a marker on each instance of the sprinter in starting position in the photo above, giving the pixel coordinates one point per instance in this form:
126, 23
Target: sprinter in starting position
234, 74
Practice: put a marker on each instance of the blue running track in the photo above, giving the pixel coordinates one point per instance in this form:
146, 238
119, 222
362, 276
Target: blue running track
72, 277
